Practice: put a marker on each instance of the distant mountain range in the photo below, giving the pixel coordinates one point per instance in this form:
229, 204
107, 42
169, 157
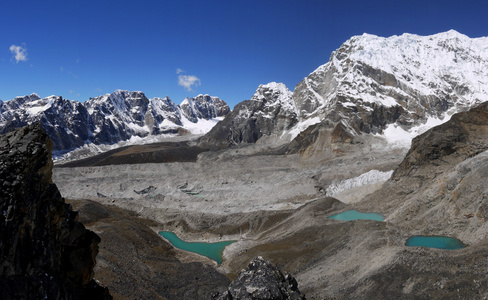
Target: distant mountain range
111, 118
395, 88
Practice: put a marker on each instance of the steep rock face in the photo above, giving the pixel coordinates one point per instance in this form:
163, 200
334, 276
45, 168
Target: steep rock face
203, 107
262, 280
46, 253
371, 84
107, 119
162, 109
118, 116
270, 111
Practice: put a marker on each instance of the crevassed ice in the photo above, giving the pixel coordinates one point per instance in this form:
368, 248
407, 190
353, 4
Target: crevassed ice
371, 177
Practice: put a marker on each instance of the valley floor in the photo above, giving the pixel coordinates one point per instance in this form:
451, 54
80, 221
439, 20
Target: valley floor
275, 206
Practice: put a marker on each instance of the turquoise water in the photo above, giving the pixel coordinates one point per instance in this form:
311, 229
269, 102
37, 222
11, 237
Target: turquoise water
352, 215
210, 250
440, 242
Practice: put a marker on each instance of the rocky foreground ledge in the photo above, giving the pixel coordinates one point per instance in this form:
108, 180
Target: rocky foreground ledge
262, 280
45, 252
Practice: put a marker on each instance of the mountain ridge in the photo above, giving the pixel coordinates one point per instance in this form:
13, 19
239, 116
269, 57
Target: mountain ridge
110, 118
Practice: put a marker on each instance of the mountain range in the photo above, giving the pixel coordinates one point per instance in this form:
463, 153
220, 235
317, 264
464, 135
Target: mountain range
395, 88
110, 118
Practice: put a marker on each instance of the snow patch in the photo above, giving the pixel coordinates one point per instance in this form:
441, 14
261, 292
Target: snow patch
38, 106
397, 137
202, 126
90, 149
301, 126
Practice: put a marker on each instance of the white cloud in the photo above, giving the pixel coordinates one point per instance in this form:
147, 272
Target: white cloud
178, 71
187, 81
20, 52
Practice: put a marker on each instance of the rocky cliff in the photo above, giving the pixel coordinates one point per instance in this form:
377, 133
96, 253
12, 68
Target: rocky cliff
45, 252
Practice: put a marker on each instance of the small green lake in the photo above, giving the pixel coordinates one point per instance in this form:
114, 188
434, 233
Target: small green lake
352, 215
440, 242
210, 250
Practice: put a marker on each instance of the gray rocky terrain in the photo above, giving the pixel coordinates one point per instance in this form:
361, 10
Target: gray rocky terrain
276, 206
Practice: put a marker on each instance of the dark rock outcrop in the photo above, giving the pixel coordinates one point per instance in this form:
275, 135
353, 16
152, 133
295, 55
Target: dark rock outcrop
262, 280
270, 111
203, 107
45, 252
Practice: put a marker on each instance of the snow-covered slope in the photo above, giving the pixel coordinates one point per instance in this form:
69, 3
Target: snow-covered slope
372, 83
108, 119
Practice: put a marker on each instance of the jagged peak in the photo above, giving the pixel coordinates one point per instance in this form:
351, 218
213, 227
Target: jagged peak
126, 93
186, 101
35, 95
203, 96
165, 98
53, 97
278, 90
28, 98
206, 97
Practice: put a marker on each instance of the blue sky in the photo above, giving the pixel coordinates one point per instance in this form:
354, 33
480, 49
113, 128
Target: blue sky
82, 49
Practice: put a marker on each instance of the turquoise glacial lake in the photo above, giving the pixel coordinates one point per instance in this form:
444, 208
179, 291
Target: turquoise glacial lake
440, 242
210, 250
352, 215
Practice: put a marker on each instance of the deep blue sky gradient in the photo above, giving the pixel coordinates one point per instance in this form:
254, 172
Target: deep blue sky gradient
82, 49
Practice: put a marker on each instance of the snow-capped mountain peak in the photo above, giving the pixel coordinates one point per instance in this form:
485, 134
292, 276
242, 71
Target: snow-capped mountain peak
407, 79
